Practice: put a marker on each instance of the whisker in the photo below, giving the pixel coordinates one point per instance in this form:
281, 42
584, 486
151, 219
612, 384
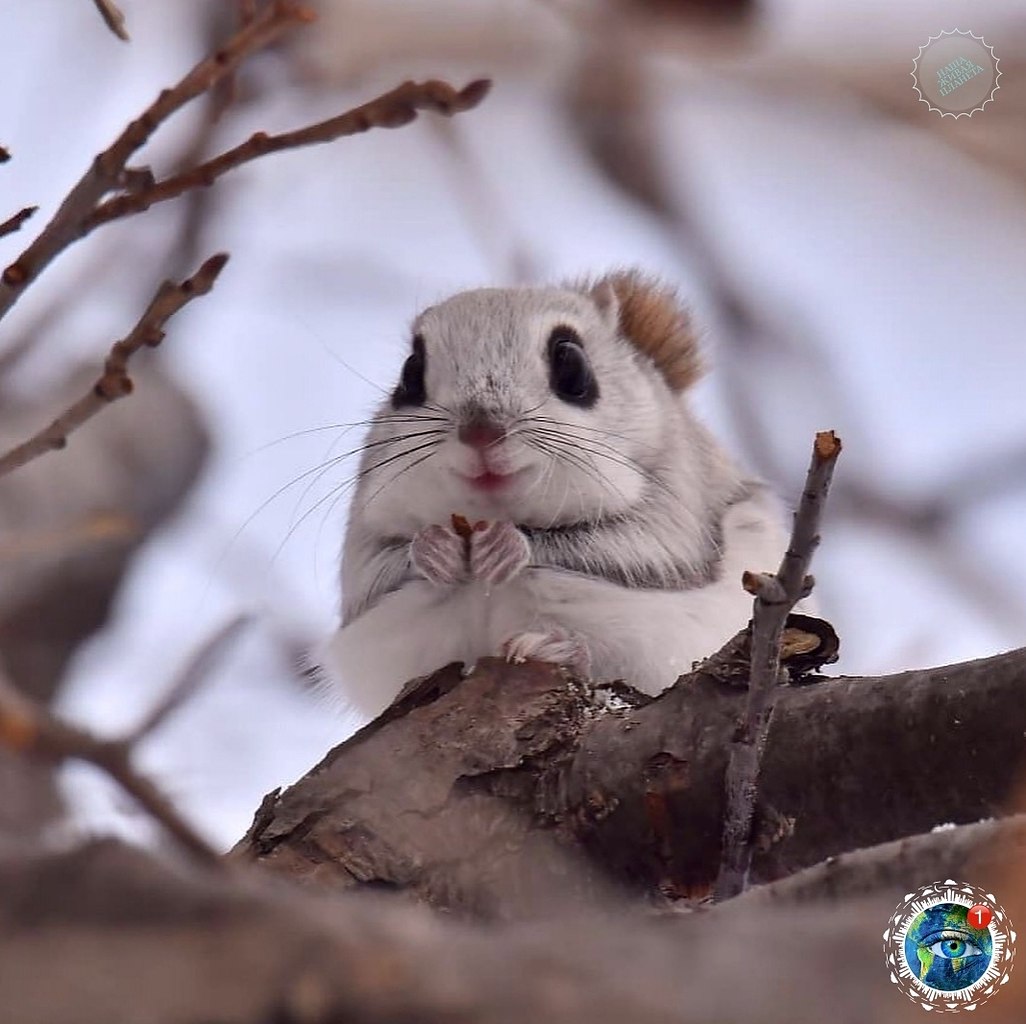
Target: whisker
568, 430
391, 480
554, 460
346, 427
587, 445
572, 458
367, 446
341, 488
612, 455
340, 493
320, 469
566, 425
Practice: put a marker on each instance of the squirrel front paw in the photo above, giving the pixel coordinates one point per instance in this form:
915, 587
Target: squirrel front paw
439, 555
492, 552
553, 644
498, 552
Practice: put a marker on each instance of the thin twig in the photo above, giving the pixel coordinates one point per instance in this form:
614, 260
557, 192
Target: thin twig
191, 677
14, 223
393, 109
107, 169
113, 17
114, 382
775, 596
30, 729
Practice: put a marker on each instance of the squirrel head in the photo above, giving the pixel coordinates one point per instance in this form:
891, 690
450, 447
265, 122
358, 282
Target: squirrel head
545, 404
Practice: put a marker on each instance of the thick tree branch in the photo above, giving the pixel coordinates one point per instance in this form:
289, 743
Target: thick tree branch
985, 852
118, 936
392, 109
775, 596
519, 771
114, 382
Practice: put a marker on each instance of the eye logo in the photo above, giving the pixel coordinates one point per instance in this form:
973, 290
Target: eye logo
949, 946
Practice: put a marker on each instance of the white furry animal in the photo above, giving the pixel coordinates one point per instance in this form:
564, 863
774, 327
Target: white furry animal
610, 530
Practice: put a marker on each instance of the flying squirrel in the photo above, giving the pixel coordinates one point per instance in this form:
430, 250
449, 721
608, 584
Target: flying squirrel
536, 486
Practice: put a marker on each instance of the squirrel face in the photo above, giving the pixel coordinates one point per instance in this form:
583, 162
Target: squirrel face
547, 405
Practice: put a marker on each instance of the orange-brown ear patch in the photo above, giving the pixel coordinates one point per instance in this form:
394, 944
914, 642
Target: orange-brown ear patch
654, 320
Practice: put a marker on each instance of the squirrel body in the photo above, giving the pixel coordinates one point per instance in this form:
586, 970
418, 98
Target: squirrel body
610, 529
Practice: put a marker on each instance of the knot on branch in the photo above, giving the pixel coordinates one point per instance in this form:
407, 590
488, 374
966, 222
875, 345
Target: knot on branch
16, 274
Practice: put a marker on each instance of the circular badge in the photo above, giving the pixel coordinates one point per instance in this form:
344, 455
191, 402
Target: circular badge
956, 73
949, 946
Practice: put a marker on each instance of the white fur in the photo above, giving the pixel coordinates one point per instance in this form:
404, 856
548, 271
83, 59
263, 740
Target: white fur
486, 350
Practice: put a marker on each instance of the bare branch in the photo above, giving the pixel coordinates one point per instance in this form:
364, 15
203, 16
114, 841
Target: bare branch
114, 382
28, 728
775, 597
95, 528
939, 853
514, 756
12, 224
196, 670
113, 18
107, 169
393, 109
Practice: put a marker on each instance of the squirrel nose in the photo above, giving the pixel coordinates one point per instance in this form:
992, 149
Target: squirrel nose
480, 432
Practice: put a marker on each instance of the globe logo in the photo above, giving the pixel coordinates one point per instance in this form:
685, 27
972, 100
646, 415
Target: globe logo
949, 946
945, 950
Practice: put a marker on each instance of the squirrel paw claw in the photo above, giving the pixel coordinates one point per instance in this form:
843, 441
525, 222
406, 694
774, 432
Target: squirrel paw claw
555, 645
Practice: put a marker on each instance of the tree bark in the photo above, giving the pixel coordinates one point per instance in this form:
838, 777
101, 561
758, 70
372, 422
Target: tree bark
492, 793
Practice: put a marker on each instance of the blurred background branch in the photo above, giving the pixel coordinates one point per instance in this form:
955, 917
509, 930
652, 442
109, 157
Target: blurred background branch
772, 160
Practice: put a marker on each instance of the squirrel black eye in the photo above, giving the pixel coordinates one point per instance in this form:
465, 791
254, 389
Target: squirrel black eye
411, 389
570, 374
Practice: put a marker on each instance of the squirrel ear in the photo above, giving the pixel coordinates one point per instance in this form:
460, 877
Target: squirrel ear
650, 315
604, 295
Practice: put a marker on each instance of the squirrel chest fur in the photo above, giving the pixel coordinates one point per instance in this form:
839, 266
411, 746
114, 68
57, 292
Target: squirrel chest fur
536, 486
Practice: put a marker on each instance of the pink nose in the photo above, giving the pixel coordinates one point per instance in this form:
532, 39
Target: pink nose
480, 433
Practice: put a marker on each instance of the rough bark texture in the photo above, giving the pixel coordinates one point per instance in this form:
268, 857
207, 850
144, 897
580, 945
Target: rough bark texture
489, 794
988, 853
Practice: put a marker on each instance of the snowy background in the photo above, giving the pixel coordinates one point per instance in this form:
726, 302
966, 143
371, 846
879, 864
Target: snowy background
879, 253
